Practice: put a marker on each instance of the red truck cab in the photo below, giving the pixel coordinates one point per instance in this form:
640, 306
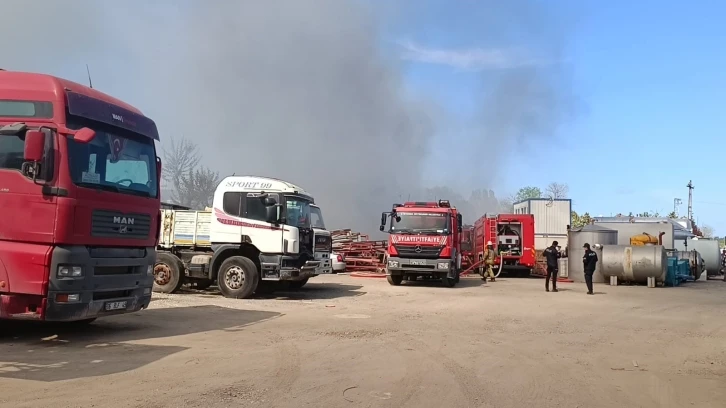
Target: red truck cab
425, 240
512, 236
79, 192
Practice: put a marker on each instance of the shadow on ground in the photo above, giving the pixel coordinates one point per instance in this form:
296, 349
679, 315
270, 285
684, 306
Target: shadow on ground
311, 291
55, 352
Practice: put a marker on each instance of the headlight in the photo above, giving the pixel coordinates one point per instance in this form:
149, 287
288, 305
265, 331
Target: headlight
150, 270
443, 265
393, 264
69, 271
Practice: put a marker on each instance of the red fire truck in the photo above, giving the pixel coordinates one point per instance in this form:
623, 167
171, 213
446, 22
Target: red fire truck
425, 240
79, 192
467, 247
512, 236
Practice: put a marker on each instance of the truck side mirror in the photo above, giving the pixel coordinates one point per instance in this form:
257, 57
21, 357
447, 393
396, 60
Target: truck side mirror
382, 227
383, 221
270, 201
158, 167
84, 135
272, 214
460, 221
34, 146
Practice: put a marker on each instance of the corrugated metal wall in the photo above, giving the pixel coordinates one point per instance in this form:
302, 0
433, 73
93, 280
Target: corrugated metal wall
543, 241
550, 217
627, 230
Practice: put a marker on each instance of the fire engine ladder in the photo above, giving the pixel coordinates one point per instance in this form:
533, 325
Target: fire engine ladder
492, 224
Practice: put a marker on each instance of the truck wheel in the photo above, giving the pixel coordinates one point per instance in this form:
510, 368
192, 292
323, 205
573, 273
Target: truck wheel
448, 282
298, 284
394, 280
168, 271
237, 277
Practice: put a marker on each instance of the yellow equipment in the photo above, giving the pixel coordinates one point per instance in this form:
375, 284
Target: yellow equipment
643, 239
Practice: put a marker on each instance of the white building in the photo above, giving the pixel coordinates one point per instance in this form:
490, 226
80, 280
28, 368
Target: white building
551, 219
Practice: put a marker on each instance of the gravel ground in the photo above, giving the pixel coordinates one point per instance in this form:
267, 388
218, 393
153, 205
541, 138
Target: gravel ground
351, 342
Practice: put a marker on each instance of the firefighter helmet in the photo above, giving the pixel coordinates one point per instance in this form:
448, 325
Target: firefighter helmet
489, 243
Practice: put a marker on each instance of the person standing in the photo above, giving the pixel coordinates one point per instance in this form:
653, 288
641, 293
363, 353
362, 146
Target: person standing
489, 257
552, 254
589, 263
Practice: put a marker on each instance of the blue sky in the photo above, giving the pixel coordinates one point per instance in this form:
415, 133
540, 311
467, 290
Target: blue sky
651, 78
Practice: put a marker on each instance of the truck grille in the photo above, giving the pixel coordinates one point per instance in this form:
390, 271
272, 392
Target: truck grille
323, 243
115, 224
425, 252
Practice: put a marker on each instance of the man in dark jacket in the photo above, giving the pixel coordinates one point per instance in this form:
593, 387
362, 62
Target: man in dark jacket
589, 263
552, 254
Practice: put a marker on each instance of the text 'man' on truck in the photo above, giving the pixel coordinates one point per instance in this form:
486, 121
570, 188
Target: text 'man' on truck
79, 192
513, 238
259, 233
424, 241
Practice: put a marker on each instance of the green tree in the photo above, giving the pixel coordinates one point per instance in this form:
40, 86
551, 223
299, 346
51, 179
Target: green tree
525, 193
672, 214
579, 221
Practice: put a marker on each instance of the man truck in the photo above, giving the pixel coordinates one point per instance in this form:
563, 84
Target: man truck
425, 240
258, 234
79, 193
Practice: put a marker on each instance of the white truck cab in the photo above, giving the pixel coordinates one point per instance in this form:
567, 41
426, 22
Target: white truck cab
323, 240
258, 232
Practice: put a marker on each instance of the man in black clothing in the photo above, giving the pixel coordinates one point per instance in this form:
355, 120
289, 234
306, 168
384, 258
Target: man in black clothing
589, 262
551, 254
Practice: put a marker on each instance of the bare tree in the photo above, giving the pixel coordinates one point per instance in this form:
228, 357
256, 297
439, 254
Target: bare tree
189, 184
557, 190
707, 231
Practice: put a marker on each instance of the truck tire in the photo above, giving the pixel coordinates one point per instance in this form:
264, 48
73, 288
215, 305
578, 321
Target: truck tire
297, 284
394, 280
448, 282
237, 278
168, 271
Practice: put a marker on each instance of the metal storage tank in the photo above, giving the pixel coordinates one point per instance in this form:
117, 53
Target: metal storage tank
709, 250
635, 263
592, 234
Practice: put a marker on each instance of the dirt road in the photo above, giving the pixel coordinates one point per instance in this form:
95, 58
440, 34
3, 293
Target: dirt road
347, 342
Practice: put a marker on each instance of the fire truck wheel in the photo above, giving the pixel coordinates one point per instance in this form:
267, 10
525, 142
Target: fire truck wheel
297, 284
237, 278
394, 280
168, 271
448, 282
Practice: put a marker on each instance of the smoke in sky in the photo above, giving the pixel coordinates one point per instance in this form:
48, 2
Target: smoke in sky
299, 90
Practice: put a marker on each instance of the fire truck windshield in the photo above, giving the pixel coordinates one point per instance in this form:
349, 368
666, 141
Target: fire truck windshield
420, 223
115, 161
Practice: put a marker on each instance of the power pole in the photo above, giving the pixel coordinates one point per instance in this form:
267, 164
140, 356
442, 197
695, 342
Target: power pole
690, 199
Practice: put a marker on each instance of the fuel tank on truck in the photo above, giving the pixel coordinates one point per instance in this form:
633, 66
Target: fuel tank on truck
592, 234
634, 263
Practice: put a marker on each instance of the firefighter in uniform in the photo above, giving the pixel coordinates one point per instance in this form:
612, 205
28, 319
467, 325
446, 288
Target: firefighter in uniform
552, 254
589, 263
489, 257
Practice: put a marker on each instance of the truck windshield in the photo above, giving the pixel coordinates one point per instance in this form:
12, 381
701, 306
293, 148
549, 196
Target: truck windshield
428, 223
316, 217
123, 163
298, 212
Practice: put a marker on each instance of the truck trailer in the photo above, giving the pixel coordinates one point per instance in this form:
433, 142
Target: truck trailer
258, 234
79, 192
512, 236
424, 241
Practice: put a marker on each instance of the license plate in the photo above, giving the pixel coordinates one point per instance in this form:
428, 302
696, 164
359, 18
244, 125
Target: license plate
414, 262
116, 306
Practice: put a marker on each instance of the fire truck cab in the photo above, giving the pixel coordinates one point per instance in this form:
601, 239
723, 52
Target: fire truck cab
425, 241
